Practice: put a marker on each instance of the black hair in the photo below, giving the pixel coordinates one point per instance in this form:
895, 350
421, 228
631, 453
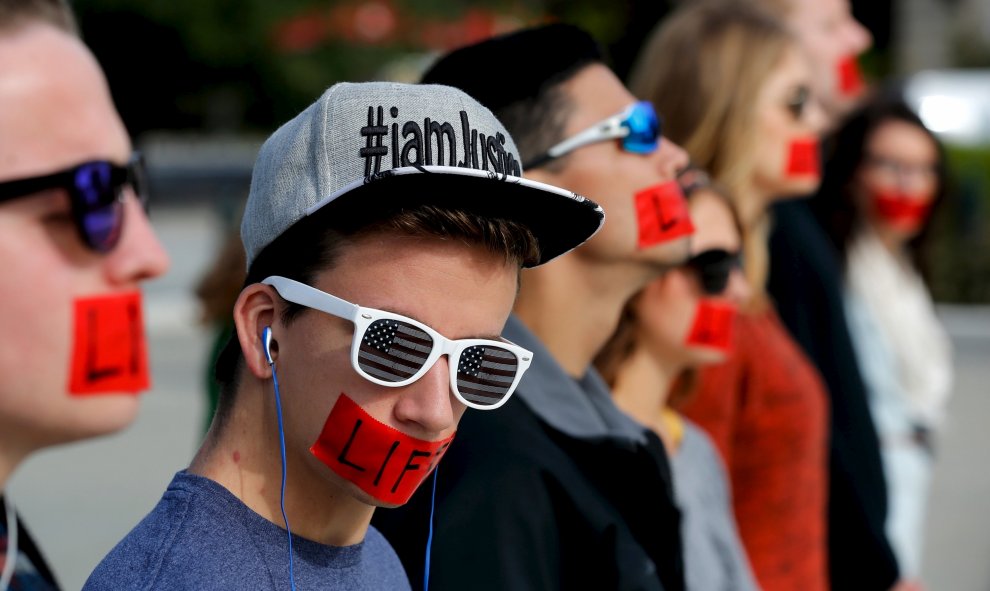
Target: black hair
528, 99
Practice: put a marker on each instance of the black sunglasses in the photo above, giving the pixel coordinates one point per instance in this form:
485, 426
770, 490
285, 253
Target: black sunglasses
96, 192
714, 268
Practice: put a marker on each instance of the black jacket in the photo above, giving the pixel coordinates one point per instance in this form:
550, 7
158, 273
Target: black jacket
522, 504
805, 282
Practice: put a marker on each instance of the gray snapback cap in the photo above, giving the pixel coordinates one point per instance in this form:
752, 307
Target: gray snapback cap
378, 141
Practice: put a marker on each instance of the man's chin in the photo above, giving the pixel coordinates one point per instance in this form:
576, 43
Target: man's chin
94, 416
359, 494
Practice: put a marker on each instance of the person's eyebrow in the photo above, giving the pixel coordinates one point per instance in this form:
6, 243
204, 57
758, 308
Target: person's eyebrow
487, 337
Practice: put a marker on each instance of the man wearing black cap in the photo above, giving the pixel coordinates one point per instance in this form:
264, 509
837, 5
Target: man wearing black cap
560, 490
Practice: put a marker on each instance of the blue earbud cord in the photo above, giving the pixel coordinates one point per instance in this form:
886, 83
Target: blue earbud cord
429, 538
281, 441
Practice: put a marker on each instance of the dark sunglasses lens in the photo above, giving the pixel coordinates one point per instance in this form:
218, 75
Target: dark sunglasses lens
393, 351
102, 227
714, 268
644, 129
485, 374
97, 204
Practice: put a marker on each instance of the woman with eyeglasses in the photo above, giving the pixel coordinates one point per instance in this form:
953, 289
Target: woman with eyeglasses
682, 321
744, 111
885, 177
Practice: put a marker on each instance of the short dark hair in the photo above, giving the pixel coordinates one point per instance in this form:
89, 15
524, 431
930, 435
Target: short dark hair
834, 204
17, 13
313, 245
531, 104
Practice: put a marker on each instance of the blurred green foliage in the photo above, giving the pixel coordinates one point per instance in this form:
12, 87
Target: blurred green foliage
237, 66
248, 65
959, 257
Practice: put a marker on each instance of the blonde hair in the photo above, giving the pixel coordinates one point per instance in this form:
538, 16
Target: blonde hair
781, 8
18, 13
703, 68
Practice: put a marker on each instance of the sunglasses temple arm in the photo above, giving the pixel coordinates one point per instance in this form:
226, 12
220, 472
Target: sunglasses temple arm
304, 295
610, 129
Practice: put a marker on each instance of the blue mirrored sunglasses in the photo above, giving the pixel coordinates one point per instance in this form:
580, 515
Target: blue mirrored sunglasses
96, 194
638, 127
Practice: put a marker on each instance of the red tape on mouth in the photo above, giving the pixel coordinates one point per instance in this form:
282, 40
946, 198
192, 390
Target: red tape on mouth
662, 214
803, 159
850, 78
384, 462
713, 325
109, 354
901, 209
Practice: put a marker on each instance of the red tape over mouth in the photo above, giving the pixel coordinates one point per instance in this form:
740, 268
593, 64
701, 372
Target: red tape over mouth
803, 159
713, 326
901, 209
382, 461
662, 214
850, 77
109, 351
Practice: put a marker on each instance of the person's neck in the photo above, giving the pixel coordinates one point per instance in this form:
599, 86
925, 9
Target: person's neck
753, 202
573, 306
889, 239
642, 386
7, 465
12, 453
244, 457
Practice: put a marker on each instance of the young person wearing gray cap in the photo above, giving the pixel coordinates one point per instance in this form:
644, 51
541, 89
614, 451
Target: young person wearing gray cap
560, 489
385, 230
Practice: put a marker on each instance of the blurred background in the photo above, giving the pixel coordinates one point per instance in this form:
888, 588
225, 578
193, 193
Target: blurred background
200, 85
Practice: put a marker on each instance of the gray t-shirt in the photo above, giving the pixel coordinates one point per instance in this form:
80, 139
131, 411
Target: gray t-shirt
200, 536
714, 559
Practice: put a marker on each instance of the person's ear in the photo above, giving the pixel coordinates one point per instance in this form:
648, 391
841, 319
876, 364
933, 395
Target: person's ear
254, 311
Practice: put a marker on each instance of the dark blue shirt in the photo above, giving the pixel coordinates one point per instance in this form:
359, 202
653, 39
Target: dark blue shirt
200, 536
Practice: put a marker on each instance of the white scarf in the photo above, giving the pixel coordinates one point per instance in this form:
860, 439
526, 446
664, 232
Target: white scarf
899, 302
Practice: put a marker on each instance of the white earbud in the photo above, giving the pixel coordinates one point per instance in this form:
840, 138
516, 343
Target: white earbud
266, 336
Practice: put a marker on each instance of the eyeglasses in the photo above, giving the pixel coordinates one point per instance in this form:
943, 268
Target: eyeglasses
638, 127
393, 350
96, 194
714, 268
901, 169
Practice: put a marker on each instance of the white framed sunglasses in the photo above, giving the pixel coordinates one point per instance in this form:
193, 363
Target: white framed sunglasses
393, 350
637, 126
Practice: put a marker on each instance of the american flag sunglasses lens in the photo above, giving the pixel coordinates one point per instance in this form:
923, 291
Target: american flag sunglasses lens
485, 374
392, 350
